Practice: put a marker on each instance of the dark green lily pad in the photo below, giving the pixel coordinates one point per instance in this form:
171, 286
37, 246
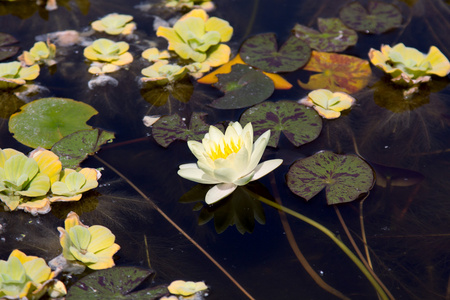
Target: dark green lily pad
6, 50
344, 177
299, 124
45, 121
170, 128
241, 208
115, 283
261, 51
243, 86
334, 36
75, 147
378, 18
158, 95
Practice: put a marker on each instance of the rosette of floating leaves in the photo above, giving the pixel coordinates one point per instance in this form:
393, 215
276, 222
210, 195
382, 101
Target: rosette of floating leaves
20, 180
154, 55
73, 184
107, 56
186, 288
207, 5
13, 74
27, 277
115, 24
91, 246
328, 104
162, 73
199, 38
408, 66
40, 53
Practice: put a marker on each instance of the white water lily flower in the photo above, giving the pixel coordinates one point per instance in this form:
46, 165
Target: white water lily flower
228, 160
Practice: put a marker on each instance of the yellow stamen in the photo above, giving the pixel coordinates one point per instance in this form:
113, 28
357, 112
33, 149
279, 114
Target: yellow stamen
231, 147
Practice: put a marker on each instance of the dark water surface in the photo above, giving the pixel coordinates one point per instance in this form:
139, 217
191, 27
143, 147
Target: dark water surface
407, 227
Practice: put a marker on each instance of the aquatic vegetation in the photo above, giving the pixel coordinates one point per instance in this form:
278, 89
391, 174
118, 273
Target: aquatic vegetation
93, 246
198, 37
115, 24
73, 184
228, 160
186, 288
161, 72
108, 52
27, 277
207, 5
154, 55
40, 53
408, 66
337, 72
13, 74
328, 104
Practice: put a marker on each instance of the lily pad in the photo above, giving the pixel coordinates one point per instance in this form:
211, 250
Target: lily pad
75, 147
45, 121
334, 36
378, 18
6, 50
115, 283
170, 128
243, 86
261, 51
344, 177
299, 124
339, 73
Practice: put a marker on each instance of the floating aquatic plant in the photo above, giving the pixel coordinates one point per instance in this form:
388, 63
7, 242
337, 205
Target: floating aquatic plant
73, 184
228, 160
109, 53
40, 53
186, 288
198, 37
408, 66
92, 246
13, 74
115, 24
207, 5
328, 104
154, 55
27, 277
162, 73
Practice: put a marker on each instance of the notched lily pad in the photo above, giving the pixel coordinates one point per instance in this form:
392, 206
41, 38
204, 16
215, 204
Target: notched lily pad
339, 73
334, 36
299, 124
75, 147
170, 128
378, 18
344, 177
45, 121
261, 51
115, 283
243, 86
6, 50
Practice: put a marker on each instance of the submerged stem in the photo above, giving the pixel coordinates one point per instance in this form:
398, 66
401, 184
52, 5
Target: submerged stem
338, 242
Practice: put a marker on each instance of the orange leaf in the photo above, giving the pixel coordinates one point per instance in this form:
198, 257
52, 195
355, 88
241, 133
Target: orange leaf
338, 72
279, 82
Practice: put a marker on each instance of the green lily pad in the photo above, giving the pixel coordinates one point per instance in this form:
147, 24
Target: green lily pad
243, 86
378, 18
45, 121
170, 128
299, 124
334, 36
6, 50
261, 51
75, 147
115, 283
344, 177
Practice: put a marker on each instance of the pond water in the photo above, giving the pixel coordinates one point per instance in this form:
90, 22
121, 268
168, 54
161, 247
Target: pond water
406, 225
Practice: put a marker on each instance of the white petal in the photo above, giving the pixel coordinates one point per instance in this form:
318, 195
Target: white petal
246, 179
197, 175
215, 134
237, 127
266, 167
226, 175
258, 150
196, 148
219, 192
188, 166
